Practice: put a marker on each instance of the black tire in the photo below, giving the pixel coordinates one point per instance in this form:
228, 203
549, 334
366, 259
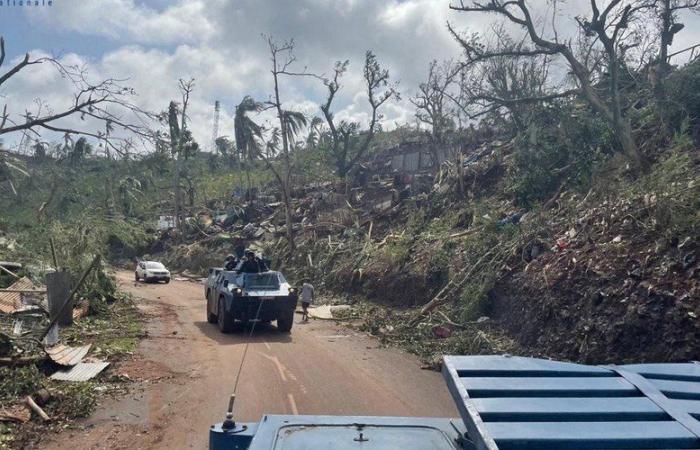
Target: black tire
211, 318
167, 280
136, 276
225, 321
285, 321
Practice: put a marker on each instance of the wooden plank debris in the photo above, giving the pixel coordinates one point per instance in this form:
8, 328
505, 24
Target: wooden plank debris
19, 413
9, 272
37, 409
11, 298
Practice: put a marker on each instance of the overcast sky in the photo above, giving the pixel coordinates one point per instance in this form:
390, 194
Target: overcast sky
219, 43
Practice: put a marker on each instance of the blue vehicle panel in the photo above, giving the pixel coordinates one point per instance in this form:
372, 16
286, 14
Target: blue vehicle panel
513, 403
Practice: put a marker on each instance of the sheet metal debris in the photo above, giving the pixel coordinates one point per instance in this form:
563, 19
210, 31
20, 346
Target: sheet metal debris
321, 312
67, 356
80, 372
326, 312
12, 301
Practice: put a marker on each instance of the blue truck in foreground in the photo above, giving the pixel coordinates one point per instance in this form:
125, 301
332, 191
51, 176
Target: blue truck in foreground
509, 403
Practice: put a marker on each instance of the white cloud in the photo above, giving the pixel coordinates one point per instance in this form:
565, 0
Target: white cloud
219, 43
129, 21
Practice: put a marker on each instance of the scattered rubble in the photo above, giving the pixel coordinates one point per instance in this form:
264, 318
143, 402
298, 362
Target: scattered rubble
32, 374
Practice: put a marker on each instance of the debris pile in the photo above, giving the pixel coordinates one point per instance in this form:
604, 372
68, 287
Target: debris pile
37, 360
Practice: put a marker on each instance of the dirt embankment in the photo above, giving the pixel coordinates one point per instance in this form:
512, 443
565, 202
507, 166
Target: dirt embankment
613, 290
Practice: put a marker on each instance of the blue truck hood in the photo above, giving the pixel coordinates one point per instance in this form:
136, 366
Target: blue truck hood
513, 403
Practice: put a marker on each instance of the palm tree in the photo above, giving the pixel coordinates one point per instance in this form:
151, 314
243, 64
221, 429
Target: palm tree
312, 139
246, 130
247, 133
295, 122
273, 143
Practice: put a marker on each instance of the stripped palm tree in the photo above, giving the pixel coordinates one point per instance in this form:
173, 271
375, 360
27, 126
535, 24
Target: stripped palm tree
129, 190
296, 122
273, 143
314, 136
247, 133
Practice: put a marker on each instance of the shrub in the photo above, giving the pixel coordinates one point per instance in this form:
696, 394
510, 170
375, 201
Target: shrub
560, 144
683, 96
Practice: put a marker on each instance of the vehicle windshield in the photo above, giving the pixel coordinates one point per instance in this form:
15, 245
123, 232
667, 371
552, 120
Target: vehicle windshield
155, 265
261, 280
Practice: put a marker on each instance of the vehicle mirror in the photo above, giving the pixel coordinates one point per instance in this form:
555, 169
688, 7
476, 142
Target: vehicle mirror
225, 283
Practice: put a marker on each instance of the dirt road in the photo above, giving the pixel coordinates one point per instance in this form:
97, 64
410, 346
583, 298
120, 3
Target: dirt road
184, 373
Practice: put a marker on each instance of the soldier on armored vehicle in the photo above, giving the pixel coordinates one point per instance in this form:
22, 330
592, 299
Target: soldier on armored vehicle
252, 264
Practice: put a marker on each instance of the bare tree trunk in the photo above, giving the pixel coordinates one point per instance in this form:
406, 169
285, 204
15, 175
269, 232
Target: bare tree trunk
249, 185
623, 129
109, 196
177, 191
288, 218
287, 163
666, 36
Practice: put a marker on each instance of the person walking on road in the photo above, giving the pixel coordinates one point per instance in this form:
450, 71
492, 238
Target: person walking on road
307, 298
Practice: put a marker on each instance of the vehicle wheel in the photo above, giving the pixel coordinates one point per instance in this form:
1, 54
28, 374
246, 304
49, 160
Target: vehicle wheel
167, 280
136, 276
285, 321
211, 318
224, 320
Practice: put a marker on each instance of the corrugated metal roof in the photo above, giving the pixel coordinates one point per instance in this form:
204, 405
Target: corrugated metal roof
526, 403
11, 301
80, 372
67, 356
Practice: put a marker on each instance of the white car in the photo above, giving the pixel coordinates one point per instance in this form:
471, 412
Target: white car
151, 271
